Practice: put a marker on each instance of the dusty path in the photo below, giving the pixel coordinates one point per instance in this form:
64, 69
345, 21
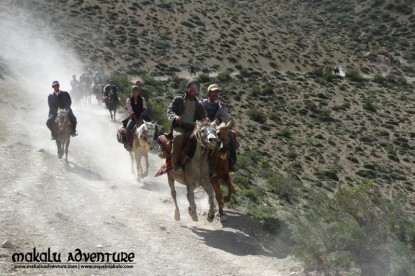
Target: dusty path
94, 204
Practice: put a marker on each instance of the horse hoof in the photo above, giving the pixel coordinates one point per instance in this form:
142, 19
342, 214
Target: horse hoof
177, 215
223, 218
211, 217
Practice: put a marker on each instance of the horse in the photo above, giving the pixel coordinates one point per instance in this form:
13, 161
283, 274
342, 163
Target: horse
63, 132
98, 91
111, 102
192, 71
144, 138
219, 163
196, 170
76, 96
205, 70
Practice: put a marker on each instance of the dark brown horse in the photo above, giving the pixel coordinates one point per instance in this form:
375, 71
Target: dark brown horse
219, 159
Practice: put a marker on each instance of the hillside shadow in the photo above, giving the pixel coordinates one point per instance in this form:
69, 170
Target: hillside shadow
241, 235
82, 172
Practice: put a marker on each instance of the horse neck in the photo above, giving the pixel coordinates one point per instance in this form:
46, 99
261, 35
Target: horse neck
142, 130
200, 152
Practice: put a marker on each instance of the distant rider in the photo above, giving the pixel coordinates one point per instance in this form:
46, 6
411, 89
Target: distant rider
60, 99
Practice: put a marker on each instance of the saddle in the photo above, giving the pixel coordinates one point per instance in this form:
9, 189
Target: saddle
55, 127
122, 136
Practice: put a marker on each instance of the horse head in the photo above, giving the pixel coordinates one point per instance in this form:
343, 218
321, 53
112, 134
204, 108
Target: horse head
205, 132
148, 132
222, 131
62, 119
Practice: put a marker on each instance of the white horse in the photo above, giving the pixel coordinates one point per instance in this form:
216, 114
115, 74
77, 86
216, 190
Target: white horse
144, 139
196, 171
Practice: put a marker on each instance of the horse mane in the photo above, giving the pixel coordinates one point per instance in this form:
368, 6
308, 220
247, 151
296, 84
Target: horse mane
200, 125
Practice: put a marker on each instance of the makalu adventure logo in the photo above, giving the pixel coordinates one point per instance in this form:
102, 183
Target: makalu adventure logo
76, 259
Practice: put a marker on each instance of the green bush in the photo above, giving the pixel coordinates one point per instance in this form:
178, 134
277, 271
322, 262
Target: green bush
224, 76
354, 75
159, 115
287, 188
257, 115
354, 228
203, 78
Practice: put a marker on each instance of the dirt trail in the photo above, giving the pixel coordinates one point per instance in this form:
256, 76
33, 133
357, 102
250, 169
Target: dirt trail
94, 203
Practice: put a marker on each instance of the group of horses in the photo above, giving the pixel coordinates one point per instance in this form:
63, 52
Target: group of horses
208, 167
83, 94
193, 70
211, 148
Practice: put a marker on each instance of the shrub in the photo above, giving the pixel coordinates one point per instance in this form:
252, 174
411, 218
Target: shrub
287, 188
224, 76
356, 226
159, 115
369, 105
203, 78
354, 75
257, 115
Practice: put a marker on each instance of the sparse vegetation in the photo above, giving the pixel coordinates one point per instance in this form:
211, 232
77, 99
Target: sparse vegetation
357, 227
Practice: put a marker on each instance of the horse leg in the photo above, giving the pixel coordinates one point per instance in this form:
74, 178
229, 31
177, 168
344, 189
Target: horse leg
208, 188
110, 113
218, 193
231, 188
147, 165
191, 199
66, 149
137, 155
173, 195
132, 161
58, 144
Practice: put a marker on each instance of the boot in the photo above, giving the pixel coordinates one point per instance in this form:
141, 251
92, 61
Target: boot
128, 146
74, 132
233, 166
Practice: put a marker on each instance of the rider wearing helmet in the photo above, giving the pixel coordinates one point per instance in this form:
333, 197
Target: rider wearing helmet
59, 99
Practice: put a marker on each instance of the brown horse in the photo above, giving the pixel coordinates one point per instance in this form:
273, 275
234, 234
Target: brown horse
62, 128
219, 161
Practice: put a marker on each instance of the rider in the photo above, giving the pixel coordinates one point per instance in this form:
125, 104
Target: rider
59, 99
218, 112
183, 112
136, 106
110, 89
97, 79
74, 82
144, 93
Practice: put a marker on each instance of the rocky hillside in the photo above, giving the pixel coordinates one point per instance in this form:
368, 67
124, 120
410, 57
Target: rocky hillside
301, 127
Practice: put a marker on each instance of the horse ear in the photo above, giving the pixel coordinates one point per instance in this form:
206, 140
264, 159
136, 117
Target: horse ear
229, 124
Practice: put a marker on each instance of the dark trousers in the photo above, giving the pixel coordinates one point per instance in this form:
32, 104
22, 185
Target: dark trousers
52, 118
130, 124
232, 150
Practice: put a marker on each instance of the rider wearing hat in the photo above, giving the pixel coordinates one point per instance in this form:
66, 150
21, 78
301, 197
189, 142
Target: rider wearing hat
59, 99
218, 112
